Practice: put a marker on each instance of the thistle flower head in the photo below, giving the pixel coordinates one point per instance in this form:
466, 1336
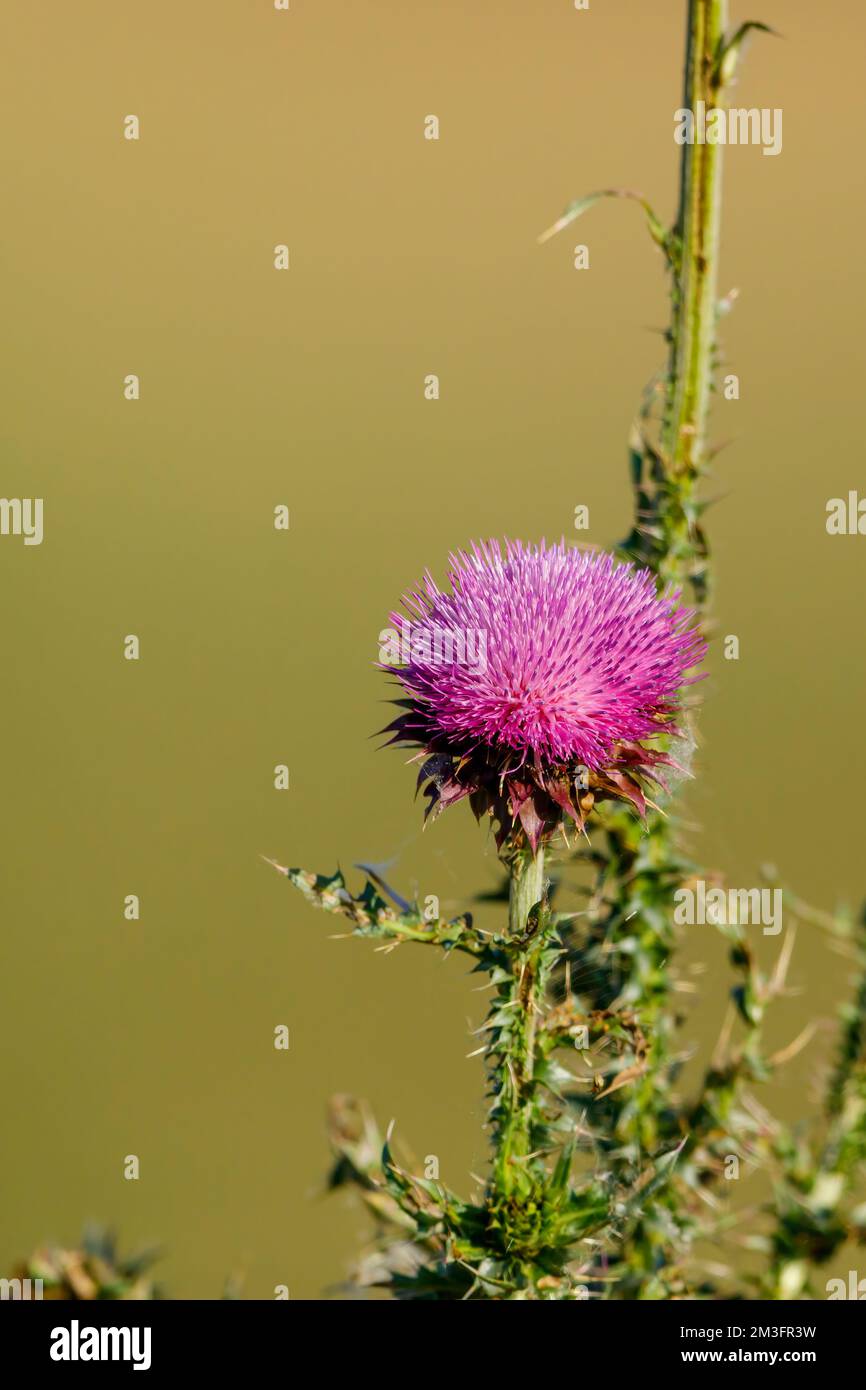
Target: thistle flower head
530, 683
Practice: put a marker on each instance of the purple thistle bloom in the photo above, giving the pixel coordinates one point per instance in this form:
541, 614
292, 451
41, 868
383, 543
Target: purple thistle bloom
530, 683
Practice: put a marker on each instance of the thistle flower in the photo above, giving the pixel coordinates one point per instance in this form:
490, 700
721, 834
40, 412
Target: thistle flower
531, 686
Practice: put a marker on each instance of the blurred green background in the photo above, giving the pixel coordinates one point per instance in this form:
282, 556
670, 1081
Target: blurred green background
408, 257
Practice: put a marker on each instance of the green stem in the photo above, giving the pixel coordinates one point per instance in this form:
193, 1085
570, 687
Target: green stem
697, 236
513, 1047
526, 888
668, 539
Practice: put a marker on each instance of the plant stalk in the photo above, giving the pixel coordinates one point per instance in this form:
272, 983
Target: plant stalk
513, 1046
645, 871
697, 231
526, 888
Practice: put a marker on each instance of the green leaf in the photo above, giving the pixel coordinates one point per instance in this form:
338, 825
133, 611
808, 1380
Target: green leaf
660, 235
728, 53
373, 916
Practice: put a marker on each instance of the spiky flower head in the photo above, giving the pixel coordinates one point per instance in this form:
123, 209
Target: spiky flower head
532, 683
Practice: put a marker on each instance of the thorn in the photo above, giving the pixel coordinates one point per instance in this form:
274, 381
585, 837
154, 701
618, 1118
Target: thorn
786, 1053
780, 974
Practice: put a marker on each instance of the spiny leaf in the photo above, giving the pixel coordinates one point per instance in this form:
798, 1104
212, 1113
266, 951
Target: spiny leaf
373, 916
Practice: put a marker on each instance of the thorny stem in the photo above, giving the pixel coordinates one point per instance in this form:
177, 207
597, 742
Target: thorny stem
697, 236
526, 888
515, 1062
679, 550
667, 536
677, 554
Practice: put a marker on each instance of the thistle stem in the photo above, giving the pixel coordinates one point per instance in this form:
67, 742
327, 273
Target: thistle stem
694, 322
513, 1046
646, 871
526, 888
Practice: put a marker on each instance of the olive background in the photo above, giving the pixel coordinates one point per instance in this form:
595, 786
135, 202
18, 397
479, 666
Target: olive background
305, 387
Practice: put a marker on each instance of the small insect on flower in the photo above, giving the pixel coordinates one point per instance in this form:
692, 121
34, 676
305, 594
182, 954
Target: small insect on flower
532, 683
